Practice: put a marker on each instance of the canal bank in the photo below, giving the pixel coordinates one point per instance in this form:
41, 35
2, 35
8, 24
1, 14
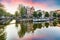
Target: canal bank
2, 30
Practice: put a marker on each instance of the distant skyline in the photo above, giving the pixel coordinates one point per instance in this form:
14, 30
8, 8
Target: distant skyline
47, 5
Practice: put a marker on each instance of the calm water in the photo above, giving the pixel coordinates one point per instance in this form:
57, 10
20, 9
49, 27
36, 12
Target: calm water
16, 31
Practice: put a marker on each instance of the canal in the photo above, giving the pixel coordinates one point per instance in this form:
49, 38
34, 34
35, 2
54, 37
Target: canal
17, 31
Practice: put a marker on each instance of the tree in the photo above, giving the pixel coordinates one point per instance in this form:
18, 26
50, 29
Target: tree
2, 11
39, 14
22, 11
35, 14
8, 14
46, 14
54, 15
1, 5
58, 15
16, 13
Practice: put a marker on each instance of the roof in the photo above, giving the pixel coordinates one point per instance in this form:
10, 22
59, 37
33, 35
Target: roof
32, 8
57, 10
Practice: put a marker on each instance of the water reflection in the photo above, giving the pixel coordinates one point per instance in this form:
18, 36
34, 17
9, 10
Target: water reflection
54, 23
23, 29
14, 31
2, 34
47, 25
30, 27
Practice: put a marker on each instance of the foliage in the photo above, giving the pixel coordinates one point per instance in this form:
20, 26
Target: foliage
54, 15
35, 14
54, 23
22, 11
59, 21
23, 30
58, 15
46, 14
39, 14
35, 26
2, 37
3, 12
46, 24
40, 25
16, 13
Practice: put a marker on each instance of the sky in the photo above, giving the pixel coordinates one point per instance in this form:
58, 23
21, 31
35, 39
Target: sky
47, 5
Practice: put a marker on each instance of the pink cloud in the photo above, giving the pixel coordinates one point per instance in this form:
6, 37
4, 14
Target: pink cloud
25, 2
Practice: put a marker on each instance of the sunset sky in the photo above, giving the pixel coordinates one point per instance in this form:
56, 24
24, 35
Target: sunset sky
47, 5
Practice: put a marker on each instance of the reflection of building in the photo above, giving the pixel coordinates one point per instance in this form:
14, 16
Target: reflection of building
30, 27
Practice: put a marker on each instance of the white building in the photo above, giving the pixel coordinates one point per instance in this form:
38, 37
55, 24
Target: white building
43, 13
51, 13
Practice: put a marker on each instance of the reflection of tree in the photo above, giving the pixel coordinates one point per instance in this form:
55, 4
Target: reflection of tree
23, 30
2, 26
26, 27
54, 23
59, 21
58, 15
39, 25
2, 37
16, 25
35, 26
47, 25
2, 34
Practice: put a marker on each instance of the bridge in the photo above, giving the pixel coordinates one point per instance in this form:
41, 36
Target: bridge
26, 19
4, 20
33, 19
